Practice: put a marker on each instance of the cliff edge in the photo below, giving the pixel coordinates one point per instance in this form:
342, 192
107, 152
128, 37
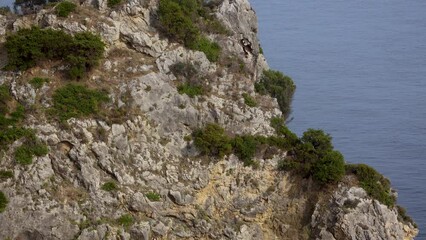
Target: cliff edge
132, 170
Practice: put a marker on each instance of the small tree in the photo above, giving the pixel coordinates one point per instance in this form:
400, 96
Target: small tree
320, 141
212, 140
330, 168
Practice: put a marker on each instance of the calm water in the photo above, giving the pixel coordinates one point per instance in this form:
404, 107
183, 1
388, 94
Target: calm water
360, 71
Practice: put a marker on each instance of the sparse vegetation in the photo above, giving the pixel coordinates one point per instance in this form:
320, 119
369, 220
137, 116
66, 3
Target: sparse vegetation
27, 47
184, 70
113, 3
279, 86
5, 174
109, 186
126, 220
76, 101
402, 216
191, 90
64, 8
211, 49
31, 147
245, 148
182, 21
249, 100
38, 82
212, 140
152, 196
3, 202
374, 183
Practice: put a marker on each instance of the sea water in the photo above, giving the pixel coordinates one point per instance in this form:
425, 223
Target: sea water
360, 71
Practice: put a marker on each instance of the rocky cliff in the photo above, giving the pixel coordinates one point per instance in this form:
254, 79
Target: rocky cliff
163, 188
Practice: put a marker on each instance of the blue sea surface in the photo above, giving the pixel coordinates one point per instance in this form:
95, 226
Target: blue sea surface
360, 71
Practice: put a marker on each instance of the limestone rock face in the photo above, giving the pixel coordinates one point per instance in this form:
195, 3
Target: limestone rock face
165, 188
350, 214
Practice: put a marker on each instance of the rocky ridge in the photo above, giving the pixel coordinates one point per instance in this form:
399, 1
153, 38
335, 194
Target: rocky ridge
60, 195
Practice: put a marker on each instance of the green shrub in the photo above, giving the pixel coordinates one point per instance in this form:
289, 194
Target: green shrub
109, 186
245, 148
181, 20
190, 89
330, 168
12, 134
27, 47
374, 183
185, 70
288, 164
249, 100
88, 49
176, 23
63, 9
278, 86
9, 119
4, 99
5, 174
113, 3
77, 101
152, 196
281, 129
25, 153
38, 82
3, 202
211, 49
126, 220
212, 140
320, 141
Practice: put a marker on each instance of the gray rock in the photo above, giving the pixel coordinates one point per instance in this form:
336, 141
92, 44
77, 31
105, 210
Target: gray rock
160, 229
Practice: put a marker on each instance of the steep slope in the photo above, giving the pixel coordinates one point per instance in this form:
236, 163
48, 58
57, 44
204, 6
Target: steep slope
133, 172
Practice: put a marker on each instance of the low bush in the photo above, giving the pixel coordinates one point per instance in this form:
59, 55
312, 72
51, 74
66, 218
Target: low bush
212, 140
113, 3
4, 99
211, 49
245, 148
374, 183
191, 90
288, 164
27, 47
63, 9
126, 220
278, 123
330, 168
109, 186
5, 174
3, 202
249, 100
38, 82
279, 86
320, 140
76, 101
10, 119
176, 22
152, 196
184, 70
181, 22
31, 147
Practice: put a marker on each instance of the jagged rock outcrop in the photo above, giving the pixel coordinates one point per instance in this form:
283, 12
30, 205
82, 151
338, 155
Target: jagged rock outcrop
351, 214
144, 150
